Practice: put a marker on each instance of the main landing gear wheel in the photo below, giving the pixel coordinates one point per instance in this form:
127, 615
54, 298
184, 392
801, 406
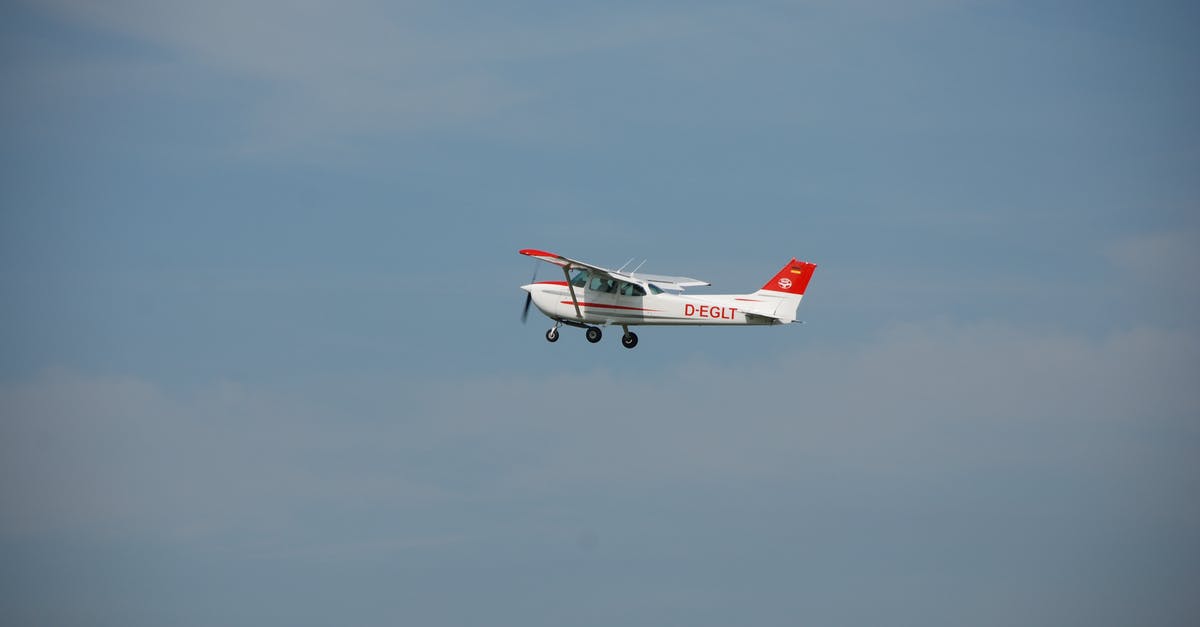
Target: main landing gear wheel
552, 335
593, 334
629, 340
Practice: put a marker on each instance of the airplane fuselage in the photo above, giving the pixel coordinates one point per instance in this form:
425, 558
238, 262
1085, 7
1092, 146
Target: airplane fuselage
553, 298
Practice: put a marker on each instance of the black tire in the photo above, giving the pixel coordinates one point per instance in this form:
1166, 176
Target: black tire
593, 334
629, 340
552, 335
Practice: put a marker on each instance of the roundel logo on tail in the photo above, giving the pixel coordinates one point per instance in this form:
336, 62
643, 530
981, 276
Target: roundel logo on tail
785, 283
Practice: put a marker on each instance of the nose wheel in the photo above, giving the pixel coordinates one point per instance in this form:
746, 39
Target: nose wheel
552, 335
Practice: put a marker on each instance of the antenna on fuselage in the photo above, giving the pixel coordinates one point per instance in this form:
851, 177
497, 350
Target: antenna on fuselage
639, 267
622, 268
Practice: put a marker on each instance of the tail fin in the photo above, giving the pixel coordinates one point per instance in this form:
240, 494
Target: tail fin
786, 288
792, 279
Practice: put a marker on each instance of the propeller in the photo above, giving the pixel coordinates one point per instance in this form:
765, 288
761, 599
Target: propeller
529, 295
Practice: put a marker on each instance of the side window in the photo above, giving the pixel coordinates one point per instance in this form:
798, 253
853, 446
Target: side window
630, 289
654, 289
597, 284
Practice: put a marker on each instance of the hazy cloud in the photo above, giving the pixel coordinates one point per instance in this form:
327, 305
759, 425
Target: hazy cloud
1157, 273
1054, 473
924, 400
1164, 259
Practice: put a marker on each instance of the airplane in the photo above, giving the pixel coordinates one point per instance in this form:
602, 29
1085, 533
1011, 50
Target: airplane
592, 296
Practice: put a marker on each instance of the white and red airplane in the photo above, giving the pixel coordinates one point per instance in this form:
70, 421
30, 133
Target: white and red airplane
592, 296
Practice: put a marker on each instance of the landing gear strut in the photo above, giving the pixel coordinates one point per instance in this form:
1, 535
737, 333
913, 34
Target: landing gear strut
593, 334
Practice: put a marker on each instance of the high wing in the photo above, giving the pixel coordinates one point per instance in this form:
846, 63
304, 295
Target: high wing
675, 283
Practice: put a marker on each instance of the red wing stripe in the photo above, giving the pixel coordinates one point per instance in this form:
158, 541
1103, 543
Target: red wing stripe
533, 252
562, 283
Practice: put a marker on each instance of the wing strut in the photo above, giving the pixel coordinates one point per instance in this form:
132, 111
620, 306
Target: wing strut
571, 286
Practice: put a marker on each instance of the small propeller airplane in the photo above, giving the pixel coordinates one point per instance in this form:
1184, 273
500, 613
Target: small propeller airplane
592, 296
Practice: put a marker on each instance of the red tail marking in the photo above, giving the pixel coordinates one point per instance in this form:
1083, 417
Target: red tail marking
793, 278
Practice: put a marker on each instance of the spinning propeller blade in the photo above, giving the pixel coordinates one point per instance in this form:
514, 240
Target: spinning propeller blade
529, 296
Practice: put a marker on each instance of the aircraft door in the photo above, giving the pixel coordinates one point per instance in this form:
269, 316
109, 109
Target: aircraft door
630, 297
601, 297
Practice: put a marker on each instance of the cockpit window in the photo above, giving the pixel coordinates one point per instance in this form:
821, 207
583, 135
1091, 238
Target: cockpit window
580, 279
600, 283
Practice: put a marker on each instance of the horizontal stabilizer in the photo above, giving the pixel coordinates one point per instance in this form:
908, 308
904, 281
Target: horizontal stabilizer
762, 318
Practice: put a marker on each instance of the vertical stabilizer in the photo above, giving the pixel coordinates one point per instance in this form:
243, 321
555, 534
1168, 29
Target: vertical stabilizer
786, 288
792, 279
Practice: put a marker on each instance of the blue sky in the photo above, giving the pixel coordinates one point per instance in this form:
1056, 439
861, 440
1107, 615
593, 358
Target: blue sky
263, 361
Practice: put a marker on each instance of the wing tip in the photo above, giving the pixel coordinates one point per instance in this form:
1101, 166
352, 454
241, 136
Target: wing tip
533, 252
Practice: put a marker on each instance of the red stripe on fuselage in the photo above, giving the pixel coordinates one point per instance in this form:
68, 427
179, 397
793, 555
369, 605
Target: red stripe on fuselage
604, 306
